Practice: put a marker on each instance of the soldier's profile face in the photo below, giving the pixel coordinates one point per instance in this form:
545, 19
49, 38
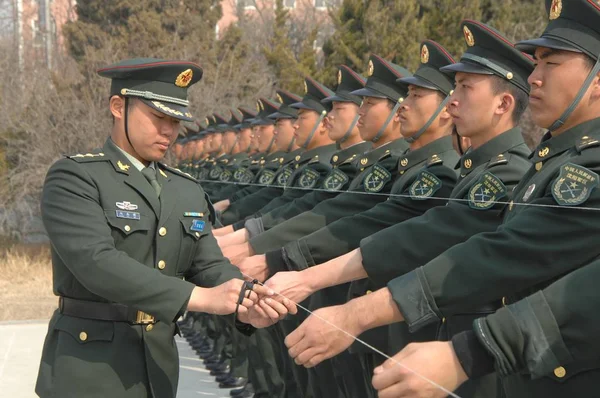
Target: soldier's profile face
229, 140
307, 118
199, 147
265, 137
216, 141
340, 118
373, 114
473, 103
245, 137
284, 133
555, 81
416, 110
151, 132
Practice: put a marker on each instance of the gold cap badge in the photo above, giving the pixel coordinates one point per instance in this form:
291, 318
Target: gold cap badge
371, 68
305, 87
339, 77
185, 78
555, 9
424, 54
469, 38
279, 98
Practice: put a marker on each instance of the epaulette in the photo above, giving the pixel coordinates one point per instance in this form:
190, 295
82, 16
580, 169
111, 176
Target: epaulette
433, 160
349, 160
178, 172
88, 157
586, 142
314, 160
498, 160
386, 154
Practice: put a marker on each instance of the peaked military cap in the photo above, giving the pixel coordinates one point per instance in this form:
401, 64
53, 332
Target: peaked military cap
348, 81
574, 25
159, 83
428, 75
236, 119
381, 80
190, 128
490, 53
266, 107
202, 126
285, 110
222, 124
314, 93
211, 124
247, 118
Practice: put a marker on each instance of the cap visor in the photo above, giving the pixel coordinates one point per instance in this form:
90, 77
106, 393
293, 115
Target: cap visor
415, 81
529, 46
169, 109
279, 115
466, 68
367, 92
335, 98
300, 105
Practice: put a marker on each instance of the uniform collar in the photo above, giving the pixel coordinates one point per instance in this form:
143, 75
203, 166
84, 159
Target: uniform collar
411, 158
497, 145
350, 153
552, 146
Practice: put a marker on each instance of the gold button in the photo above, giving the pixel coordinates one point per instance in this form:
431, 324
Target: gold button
369, 292
162, 231
510, 205
560, 372
444, 320
335, 158
585, 137
509, 76
504, 301
468, 163
404, 162
544, 152
127, 228
83, 336
538, 166
197, 234
162, 264
149, 327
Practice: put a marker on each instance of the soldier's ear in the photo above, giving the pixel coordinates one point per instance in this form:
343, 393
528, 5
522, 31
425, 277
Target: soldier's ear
117, 107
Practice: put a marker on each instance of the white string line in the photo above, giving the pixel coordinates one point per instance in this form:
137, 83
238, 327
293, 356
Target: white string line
398, 195
450, 393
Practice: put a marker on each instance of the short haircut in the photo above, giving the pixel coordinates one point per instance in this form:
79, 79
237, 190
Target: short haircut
500, 85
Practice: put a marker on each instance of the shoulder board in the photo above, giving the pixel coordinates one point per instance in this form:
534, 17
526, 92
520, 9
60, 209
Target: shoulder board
349, 160
586, 142
498, 160
385, 154
433, 160
88, 157
178, 172
276, 160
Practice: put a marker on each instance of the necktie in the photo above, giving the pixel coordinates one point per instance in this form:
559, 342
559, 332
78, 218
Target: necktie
150, 175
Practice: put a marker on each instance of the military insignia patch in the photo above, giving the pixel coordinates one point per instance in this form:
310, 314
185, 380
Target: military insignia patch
284, 176
202, 174
376, 179
424, 186
193, 214
215, 172
198, 226
266, 177
162, 173
574, 185
555, 9
308, 178
335, 180
424, 54
243, 175
185, 78
469, 38
225, 176
122, 166
126, 206
484, 194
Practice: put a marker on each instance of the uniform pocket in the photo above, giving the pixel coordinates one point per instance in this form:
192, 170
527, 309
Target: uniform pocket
86, 331
195, 227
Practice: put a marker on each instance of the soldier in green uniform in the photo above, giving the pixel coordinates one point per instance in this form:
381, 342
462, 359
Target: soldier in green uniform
131, 246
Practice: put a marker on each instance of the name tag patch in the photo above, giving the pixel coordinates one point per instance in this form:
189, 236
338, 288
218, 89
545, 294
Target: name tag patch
198, 226
130, 215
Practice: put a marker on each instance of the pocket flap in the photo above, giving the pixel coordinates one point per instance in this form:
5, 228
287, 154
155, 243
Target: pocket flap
127, 222
86, 330
196, 227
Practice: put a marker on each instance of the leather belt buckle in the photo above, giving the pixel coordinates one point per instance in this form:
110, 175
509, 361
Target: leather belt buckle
144, 319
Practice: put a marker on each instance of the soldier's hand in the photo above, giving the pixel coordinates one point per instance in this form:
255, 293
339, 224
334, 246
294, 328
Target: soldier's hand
237, 253
435, 361
222, 205
316, 339
235, 238
222, 231
292, 285
255, 267
269, 311
223, 299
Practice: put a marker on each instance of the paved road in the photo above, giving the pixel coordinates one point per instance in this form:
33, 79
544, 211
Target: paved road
21, 347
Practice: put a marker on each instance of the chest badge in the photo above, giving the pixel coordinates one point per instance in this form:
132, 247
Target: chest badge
198, 226
126, 206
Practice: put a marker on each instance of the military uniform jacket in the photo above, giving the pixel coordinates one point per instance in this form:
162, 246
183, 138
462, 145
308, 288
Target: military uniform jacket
426, 178
337, 180
236, 175
528, 251
249, 204
113, 240
377, 162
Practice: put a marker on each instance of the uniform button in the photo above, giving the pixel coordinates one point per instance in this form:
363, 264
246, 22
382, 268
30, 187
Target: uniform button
197, 234
149, 327
369, 292
444, 320
504, 301
560, 372
127, 228
162, 264
83, 336
162, 231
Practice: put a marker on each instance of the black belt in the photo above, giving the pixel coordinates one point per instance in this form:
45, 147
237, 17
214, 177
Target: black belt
103, 311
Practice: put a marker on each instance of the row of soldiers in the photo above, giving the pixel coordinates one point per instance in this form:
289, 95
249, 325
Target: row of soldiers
406, 208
